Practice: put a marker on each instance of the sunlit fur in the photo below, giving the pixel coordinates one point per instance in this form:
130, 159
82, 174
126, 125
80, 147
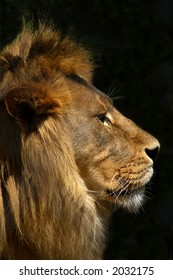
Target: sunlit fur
63, 166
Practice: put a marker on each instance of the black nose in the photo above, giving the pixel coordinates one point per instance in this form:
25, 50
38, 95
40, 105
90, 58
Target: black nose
153, 153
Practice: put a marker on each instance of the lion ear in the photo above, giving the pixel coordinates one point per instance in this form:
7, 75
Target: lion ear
29, 105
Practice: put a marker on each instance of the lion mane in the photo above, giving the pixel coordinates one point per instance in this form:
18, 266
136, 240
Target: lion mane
44, 206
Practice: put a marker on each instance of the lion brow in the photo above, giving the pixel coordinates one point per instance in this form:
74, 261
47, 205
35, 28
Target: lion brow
80, 80
83, 82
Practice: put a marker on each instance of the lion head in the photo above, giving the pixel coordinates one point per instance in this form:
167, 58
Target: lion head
67, 156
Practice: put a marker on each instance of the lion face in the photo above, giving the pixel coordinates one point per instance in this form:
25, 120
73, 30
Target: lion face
114, 156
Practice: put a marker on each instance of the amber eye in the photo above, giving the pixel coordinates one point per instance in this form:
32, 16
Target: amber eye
104, 119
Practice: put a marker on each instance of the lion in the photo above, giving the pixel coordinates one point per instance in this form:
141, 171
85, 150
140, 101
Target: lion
68, 158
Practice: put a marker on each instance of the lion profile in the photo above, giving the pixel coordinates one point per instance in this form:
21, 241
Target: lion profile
67, 156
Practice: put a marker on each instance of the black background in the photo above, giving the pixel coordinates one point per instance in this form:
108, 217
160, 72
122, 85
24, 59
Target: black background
132, 43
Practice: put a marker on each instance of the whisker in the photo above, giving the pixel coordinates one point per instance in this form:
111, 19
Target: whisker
92, 191
125, 188
113, 91
113, 178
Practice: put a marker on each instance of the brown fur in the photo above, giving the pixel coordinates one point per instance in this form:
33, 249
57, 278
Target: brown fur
59, 158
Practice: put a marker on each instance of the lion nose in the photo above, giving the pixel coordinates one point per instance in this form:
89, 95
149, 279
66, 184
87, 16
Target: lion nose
153, 152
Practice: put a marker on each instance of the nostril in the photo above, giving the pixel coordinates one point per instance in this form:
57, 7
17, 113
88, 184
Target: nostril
152, 153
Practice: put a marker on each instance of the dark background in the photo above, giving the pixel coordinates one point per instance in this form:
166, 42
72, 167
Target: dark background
132, 43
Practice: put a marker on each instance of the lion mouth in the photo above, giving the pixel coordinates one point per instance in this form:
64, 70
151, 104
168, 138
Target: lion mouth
120, 193
132, 188
131, 199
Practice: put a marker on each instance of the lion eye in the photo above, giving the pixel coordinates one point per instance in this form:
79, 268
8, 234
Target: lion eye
104, 119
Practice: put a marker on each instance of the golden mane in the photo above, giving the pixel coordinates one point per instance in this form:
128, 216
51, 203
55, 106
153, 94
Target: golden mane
38, 202
45, 53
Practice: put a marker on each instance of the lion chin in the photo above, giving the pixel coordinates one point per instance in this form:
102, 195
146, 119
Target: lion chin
132, 195
67, 156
